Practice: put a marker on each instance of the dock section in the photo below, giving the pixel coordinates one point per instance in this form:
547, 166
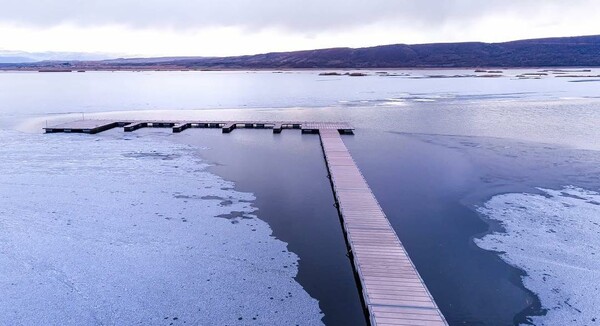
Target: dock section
95, 126
392, 290
86, 126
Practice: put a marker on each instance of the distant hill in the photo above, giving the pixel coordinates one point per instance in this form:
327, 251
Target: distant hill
548, 52
16, 57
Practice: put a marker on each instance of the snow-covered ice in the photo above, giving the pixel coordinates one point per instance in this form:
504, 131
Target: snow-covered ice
555, 238
133, 230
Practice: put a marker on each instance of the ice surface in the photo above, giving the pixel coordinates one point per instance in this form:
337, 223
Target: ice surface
555, 238
105, 230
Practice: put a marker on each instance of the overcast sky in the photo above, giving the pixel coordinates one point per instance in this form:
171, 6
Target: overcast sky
232, 27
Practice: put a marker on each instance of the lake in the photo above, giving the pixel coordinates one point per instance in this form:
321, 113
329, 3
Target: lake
470, 171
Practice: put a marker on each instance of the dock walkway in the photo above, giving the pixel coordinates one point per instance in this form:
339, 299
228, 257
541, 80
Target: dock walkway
393, 293
392, 290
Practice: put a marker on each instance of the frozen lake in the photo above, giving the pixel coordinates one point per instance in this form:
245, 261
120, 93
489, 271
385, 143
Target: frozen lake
468, 168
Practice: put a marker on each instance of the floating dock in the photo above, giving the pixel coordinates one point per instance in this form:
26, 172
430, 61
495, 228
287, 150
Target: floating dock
96, 126
392, 291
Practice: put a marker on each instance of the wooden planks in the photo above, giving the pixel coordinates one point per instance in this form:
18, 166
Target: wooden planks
135, 126
314, 127
83, 126
228, 127
179, 127
392, 289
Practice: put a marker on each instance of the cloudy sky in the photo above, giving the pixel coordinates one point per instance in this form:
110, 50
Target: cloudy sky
232, 27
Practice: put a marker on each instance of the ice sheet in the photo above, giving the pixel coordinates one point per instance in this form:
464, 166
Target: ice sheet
555, 238
133, 230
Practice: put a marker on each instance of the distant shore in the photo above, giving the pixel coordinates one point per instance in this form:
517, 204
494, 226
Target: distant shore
561, 52
48, 69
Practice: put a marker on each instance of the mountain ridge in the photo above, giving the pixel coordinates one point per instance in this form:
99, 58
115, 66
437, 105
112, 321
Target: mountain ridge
546, 52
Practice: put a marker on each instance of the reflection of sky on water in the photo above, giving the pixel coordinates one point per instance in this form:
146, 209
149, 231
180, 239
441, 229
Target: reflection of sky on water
33, 93
550, 110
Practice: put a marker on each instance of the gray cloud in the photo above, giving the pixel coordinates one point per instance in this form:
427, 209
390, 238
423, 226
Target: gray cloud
303, 16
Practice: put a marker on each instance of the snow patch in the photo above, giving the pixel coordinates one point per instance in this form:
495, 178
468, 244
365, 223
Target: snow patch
555, 238
104, 230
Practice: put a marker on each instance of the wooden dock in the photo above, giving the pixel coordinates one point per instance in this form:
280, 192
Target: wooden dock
392, 290
393, 293
86, 126
96, 126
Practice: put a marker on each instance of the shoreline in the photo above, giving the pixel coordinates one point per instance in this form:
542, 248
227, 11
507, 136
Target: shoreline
79, 69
